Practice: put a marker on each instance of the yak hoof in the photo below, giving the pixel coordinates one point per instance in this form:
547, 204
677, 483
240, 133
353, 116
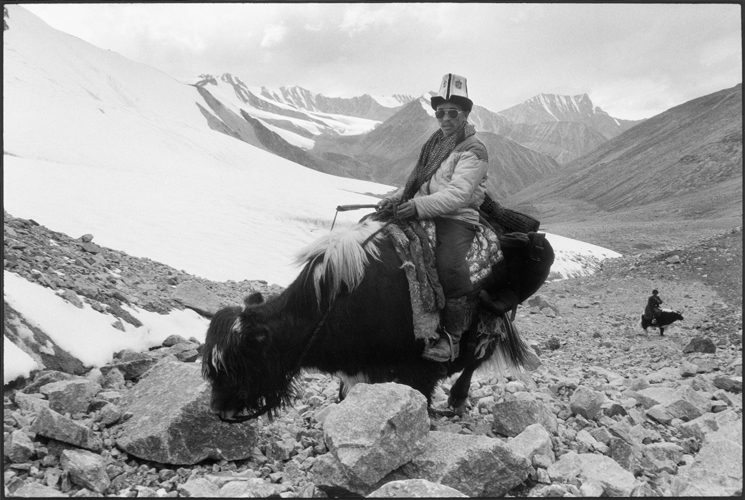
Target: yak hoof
440, 412
462, 409
460, 406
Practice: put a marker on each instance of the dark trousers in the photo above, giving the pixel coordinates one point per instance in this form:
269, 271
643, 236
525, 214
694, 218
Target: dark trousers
454, 239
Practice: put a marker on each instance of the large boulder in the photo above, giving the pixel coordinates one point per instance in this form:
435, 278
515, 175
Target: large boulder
70, 396
664, 450
478, 466
233, 485
593, 468
37, 490
51, 424
716, 471
586, 402
682, 402
415, 488
133, 365
377, 428
336, 480
700, 344
513, 417
18, 447
706, 427
534, 440
171, 422
626, 453
729, 383
198, 297
46, 377
86, 469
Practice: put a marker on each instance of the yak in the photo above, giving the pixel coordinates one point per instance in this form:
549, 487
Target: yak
664, 319
349, 314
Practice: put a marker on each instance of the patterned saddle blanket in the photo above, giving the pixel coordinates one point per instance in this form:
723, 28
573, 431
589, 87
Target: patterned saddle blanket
414, 242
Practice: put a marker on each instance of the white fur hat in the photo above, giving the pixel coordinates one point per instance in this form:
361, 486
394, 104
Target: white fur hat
453, 89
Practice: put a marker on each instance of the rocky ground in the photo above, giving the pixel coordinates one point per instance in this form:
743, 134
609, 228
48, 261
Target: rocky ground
653, 405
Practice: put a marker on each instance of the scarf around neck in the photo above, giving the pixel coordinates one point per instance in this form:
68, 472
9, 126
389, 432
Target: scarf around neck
433, 153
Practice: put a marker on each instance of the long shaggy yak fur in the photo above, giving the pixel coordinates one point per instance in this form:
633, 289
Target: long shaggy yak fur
344, 258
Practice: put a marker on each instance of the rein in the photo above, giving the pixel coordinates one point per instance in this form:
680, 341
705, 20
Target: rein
344, 208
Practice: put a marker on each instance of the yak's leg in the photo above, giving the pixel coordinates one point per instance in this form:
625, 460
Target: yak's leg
342, 391
458, 398
421, 380
662, 331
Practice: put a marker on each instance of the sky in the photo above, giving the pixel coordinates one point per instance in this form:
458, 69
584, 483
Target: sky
634, 60
97, 144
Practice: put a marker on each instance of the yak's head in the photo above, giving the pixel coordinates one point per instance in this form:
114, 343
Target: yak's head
240, 362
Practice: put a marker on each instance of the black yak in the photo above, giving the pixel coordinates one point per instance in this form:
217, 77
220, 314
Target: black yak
349, 314
664, 319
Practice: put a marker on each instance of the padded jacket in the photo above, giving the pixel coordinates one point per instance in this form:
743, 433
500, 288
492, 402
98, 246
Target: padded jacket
456, 189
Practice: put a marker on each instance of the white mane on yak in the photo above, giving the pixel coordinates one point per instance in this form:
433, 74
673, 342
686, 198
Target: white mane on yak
344, 257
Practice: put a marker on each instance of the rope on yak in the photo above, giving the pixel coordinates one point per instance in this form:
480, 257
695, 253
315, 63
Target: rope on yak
345, 208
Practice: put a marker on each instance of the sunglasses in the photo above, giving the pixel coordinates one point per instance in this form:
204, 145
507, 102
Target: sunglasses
452, 113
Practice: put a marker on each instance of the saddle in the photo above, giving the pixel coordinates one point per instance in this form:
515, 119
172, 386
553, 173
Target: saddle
414, 242
506, 269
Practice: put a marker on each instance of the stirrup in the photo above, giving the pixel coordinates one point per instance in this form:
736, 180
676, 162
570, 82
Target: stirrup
452, 346
451, 357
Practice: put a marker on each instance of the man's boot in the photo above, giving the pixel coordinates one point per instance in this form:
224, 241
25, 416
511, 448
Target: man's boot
456, 320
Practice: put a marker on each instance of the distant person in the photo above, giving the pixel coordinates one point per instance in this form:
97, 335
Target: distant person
653, 306
447, 185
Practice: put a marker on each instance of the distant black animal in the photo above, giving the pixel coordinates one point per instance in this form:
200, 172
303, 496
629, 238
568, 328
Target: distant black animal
349, 314
664, 319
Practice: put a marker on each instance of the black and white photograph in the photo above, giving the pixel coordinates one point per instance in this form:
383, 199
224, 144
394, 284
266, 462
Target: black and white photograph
347, 250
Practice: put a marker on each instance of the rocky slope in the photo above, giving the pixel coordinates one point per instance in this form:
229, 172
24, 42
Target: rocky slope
611, 410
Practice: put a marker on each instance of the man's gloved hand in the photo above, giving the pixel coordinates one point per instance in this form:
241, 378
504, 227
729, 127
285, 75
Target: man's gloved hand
406, 210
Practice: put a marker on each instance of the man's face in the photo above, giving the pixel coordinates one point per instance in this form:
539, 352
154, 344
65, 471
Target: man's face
449, 125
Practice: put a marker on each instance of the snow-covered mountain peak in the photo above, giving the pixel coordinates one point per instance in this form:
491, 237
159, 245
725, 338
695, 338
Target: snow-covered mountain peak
296, 99
559, 105
554, 108
392, 101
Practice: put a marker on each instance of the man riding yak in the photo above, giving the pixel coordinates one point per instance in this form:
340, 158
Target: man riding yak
356, 312
448, 185
653, 307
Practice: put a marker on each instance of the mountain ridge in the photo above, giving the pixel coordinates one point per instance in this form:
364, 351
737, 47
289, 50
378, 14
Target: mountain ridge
564, 108
299, 98
392, 149
684, 162
561, 139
